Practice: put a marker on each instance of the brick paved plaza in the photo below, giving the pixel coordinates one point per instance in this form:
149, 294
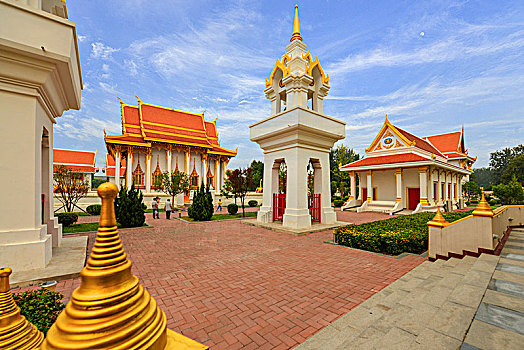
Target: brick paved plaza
230, 285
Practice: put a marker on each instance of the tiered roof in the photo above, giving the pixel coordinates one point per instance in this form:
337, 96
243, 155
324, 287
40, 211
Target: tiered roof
405, 147
81, 161
146, 123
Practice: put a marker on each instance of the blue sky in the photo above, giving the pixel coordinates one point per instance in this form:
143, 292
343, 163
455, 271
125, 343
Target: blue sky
432, 66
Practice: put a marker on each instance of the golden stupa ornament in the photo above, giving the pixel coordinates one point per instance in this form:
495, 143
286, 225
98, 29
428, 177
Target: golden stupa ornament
111, 309
438, 220
296, 27
16, 332
483, 209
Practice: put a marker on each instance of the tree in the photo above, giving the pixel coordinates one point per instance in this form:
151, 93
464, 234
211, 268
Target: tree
241, 180
202, 207
470, 189
69, 187
510, 193
515, 168
258, 173
227, 189
173, 184
282, 178
339, 156
483, 177
130, 208
97, 182
499, 160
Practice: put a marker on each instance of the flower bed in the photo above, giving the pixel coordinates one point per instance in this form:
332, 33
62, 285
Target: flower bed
401, 234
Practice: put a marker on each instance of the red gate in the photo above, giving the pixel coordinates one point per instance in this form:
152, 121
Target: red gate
313, 203
279, 206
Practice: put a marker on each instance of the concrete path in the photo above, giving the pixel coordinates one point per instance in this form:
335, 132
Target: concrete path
438, 305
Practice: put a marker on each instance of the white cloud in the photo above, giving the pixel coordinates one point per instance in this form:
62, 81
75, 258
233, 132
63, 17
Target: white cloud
99, 50
81, 38
109, 88
84, 129
132, 67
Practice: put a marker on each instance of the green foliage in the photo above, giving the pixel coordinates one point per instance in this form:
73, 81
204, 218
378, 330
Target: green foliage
500, 160
202, 207
41, 307
130, 208
67, 219
392, 236
94, 209
341, 155
510, 193
239, 181
338, 203
258, 173
471, 189
515, 169
173, 184
232, 208
252, 203
97, 182
484, 177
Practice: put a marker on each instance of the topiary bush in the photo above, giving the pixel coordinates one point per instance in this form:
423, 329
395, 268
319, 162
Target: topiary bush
202, 207
130, 208
392, 236
67, 219
337, 203
252, 203
232, 208
41, 307
94, 209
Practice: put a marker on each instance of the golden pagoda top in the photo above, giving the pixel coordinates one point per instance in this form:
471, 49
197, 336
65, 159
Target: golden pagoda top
438, 220
296, 27
483, 209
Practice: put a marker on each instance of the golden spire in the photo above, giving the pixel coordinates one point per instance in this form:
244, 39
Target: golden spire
483, 209
111, 309
15, 331
296, 27
438, 220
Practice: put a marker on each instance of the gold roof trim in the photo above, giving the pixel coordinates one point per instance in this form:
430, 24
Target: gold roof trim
282, 66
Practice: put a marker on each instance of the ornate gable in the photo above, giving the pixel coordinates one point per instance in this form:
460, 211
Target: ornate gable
387, 138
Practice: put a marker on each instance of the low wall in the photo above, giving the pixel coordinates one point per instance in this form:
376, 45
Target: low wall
472, 234
92, 198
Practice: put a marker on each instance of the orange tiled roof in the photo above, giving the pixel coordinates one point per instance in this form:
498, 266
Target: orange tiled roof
449, 142
390, 159
149, 123
83, 161
420, 142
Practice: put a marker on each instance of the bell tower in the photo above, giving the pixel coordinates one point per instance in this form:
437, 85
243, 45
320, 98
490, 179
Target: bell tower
296, 79
299, 135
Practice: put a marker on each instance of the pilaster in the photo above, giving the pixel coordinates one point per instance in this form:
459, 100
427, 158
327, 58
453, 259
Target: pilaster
370, 186
423, 185
149, 175
398, 181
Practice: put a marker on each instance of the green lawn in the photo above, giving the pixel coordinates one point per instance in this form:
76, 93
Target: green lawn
225, 216
85, 227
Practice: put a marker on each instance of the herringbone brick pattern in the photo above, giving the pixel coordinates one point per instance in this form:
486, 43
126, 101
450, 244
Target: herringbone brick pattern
231, 286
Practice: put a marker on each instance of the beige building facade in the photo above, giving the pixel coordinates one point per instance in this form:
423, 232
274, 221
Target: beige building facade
40, 78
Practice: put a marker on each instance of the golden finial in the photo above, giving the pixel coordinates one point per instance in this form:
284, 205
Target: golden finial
438, 220
139, 100
15, 331
111, 309
483, 209
296, 27
387, 120
119, 98
205, 109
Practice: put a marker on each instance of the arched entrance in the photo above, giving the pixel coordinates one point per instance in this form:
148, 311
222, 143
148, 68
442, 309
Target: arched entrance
279, 197
314, 185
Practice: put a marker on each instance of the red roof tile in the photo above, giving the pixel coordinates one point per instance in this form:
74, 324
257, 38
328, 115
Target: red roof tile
420, 142
390, 159
449, 142
83, 161
110, 166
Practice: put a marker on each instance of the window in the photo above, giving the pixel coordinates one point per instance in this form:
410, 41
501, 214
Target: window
435, 191
138, 176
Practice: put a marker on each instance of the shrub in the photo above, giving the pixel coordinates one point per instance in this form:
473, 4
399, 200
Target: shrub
67, 219
492, 202
130, 207
338, 203
232, 208
336, 198
41, 307
94, 209
252, 203
392, 236
202, 207
474, 202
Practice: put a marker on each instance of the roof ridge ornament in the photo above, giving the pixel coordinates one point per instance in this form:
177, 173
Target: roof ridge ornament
296, 27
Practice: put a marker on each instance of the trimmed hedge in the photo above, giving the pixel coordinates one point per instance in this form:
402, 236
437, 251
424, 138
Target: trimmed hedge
232, 208
67, 219
337, 203
41, 307
252, 203
402, 234
94, 209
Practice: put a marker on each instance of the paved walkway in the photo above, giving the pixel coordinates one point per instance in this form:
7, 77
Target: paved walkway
438, 305
231, 286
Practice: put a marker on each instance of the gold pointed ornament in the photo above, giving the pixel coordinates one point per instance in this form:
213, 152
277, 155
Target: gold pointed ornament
483, 208
16, 332
111, 309
296, 27
438, 220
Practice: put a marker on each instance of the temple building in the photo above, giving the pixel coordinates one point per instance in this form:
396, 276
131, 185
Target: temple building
157, 139
404, 171
81, 162
110, 170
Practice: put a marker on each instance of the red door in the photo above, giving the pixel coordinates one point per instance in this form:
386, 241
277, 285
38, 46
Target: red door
413, 198
364, 194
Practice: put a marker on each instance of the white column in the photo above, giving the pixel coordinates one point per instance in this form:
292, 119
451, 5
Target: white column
188, 161
297, 212
169, 155
223, 172
398, 178
217, 176
369, 186
204, 170
423, 185
148, 173
353, 187
360, 187
129, 175
117, 169
328, 215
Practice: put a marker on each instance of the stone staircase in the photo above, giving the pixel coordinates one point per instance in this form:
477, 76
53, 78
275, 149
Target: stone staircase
431, 307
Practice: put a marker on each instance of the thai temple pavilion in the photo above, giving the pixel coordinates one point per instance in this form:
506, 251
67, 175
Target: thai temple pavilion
404, 171
156, 139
